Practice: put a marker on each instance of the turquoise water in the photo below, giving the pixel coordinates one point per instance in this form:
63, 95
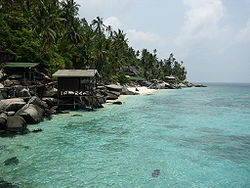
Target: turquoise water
197, 137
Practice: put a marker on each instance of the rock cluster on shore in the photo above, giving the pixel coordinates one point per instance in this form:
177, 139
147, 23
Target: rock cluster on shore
17, 113
160, 84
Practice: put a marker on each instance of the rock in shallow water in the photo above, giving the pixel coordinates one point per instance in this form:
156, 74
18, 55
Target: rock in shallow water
5, 184
37, 130
111, 96
11, 161
3, 120
156, 173
16, 124
117, 102
31, 113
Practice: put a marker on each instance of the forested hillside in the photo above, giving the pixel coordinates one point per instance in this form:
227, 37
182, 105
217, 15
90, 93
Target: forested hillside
50, 32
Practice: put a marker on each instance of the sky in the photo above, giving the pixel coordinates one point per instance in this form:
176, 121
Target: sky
212, 37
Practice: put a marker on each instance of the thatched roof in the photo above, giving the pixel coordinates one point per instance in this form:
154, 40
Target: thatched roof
76, 73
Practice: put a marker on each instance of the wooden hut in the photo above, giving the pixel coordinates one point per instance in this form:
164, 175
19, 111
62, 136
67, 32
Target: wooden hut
22, 70
76, 83
170, 79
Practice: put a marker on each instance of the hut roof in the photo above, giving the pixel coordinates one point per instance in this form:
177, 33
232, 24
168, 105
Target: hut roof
20, 64
76, 73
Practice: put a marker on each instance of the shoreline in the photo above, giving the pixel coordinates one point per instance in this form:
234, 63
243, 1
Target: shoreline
27, 108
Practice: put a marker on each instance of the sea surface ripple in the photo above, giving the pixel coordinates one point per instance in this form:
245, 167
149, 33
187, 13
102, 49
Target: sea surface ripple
194, 137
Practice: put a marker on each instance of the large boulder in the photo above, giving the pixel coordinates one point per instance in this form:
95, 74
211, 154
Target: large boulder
125, 91
10, 113
101, 87
52, 110
117, 102
16, 123
50, 92
159, 85
3, 121
113, 87
8, 83
188, 84
145, 83
111, 96
101, 98
2, 74
23, 93
38, 102
50, 101
171, 86
3, 94
199, 85
182, 85
15, 106
96, 103
92, 102
31, 113
117, 93
102, 92
6, 102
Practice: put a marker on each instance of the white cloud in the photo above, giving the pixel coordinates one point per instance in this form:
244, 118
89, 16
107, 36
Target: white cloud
244, 33
201, 20
202, 28
90, 9
114, 22
142, 36
140, 40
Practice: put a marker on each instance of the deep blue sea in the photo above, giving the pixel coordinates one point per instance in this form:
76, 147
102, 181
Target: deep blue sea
196, 137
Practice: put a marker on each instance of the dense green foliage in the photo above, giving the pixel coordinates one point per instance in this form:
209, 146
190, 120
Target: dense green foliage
50, 32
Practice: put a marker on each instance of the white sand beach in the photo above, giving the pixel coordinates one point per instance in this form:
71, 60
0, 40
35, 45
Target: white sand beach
142, 90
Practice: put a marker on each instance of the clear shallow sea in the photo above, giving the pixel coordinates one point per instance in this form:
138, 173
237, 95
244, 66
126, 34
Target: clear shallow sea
197, 137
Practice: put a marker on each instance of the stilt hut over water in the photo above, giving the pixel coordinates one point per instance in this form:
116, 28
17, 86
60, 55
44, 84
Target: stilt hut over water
76, 83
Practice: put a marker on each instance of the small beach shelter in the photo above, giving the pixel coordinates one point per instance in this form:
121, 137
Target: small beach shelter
76, 83
24, 69
76, 80
170, 79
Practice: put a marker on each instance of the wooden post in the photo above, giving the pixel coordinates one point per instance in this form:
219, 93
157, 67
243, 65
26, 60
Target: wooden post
58, 96
24, 79
30, 73
74, 100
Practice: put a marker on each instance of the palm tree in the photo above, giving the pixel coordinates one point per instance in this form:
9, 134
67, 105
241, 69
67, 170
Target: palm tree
109, 31
46, 22
72, 24
98, 25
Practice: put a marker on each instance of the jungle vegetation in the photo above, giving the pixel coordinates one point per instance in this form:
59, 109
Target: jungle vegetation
52, 33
